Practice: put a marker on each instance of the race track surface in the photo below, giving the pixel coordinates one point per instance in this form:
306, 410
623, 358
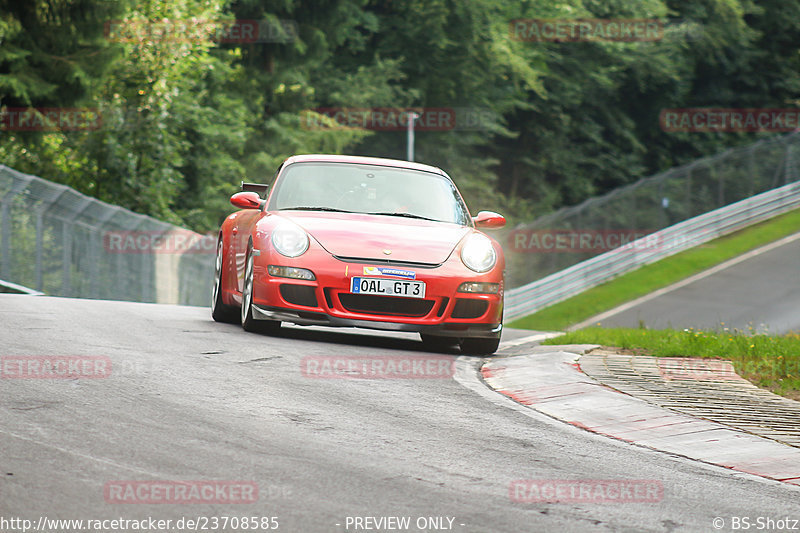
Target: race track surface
192, 400
762, 293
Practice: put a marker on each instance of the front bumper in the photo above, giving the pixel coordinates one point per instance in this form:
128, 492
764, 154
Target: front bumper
443, 311
448, 329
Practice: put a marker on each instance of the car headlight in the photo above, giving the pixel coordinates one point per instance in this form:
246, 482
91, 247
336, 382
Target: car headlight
289, 239
478, 253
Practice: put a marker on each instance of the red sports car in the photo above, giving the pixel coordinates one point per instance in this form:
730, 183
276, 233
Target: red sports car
363, 242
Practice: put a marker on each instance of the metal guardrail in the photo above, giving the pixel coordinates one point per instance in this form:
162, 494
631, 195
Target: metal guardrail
7, 286
58, 241
648, 205
561, 285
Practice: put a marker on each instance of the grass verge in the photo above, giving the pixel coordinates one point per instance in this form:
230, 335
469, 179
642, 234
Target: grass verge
660, 274
769, 361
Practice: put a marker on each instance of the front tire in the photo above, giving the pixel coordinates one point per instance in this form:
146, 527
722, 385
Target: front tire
220, 311
248, 322
479, 345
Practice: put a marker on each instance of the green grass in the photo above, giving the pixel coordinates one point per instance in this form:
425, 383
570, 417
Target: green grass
769, 361
657, 275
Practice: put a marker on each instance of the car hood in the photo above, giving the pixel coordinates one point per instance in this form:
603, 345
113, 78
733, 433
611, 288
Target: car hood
368, 237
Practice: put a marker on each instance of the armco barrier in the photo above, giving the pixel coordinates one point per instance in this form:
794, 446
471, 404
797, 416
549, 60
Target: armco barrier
56, 240
13, 288
52, 237
651, 204
561, 285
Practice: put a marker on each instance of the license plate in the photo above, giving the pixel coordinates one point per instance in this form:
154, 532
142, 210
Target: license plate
388, 287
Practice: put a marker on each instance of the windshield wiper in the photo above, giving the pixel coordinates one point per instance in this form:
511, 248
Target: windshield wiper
333, 209
407, 215
307, 208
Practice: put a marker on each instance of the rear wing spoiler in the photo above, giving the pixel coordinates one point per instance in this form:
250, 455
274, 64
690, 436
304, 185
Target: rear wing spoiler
259, 188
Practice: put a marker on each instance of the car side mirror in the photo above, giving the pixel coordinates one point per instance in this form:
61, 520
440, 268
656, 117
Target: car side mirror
489, 220
246, 200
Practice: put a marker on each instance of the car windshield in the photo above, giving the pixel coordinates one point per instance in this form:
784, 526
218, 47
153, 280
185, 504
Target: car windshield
371, 189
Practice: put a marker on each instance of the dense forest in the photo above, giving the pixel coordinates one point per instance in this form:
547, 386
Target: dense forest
177, 101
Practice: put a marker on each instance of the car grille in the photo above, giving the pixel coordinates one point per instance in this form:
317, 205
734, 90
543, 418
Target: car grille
385, 305
467, 308
299, 294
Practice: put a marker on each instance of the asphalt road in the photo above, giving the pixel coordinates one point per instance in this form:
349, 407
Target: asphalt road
189, 399
762, 293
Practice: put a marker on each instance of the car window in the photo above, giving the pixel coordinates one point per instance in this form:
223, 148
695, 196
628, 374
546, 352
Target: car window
369, 189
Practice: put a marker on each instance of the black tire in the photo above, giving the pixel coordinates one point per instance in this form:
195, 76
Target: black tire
479, 345
437, 343
221, 312
248, 322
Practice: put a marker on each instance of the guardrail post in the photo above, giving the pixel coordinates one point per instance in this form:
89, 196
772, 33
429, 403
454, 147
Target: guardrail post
40, 213
39, 248
21, 184
689, 192
66, 243
95, 249
789, 174
5, 251
143, 259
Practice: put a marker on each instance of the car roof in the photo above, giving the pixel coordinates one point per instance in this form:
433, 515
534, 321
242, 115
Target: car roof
363, 160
